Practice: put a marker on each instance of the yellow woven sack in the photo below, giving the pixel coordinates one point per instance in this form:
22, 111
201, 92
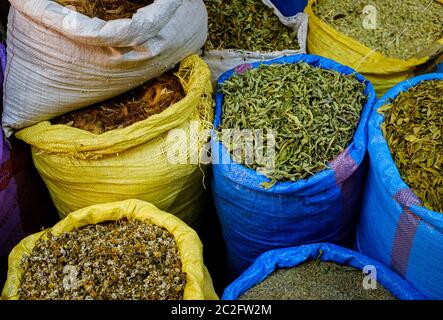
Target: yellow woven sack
383, 72
81, 168
199, 283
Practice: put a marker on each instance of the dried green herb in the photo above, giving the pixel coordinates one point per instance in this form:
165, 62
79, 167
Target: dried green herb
413, 128
248, 25
312, 113
316, 281
125, 259
403, 28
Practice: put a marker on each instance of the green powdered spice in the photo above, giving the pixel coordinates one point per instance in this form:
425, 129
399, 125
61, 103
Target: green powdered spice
403, 28
118, 260
248, 25
315, 280
312, 113
413, 128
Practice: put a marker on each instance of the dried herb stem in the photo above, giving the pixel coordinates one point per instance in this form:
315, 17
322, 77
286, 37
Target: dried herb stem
151, 98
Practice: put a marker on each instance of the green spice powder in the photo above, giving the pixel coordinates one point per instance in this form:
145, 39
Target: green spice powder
403, 28
413, 128
248, 25
316, 280
312, 112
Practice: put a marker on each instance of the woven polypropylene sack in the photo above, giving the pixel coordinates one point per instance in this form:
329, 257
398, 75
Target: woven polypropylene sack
81, 168
220, 61
11, 230
60, 60
394, 228
270, 261
322, 208
290, 7
199, 283
383, 72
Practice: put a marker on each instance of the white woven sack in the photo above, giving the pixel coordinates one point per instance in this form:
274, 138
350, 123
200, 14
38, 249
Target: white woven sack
60, 60
220, 61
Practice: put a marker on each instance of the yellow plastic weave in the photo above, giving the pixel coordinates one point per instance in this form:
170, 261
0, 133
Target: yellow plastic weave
199, 283
81, 168
383, 72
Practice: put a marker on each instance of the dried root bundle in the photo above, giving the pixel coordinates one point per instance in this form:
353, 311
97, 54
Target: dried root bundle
139, 104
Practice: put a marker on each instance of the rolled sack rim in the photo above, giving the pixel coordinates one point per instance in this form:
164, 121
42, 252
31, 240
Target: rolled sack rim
145, 24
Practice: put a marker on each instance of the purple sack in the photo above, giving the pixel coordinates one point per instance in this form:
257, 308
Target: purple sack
11, 231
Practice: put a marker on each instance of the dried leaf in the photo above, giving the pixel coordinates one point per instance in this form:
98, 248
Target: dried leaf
417, 144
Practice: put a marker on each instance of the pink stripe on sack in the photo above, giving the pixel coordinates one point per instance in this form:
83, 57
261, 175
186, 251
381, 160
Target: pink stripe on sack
243, 68
406, 198
406, 229
344, 166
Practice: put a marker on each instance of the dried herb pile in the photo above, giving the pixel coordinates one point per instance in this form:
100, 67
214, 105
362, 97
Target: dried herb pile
106, 9
126, 259
315, 280
312, 112
248, 25
413, 128
151, 98
404, 28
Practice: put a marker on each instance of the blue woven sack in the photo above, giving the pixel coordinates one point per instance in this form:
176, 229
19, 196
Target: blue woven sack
290, 7
322, 208
394, 228
270, 261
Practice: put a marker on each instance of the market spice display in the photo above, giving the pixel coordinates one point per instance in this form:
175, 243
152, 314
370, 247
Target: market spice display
316, 280
413, 128
151, 98
403, 28
125, 259
312, 113
248, 25
106, 9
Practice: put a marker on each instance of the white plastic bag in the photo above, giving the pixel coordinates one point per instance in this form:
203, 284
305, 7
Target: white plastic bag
60, 60
220, 61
